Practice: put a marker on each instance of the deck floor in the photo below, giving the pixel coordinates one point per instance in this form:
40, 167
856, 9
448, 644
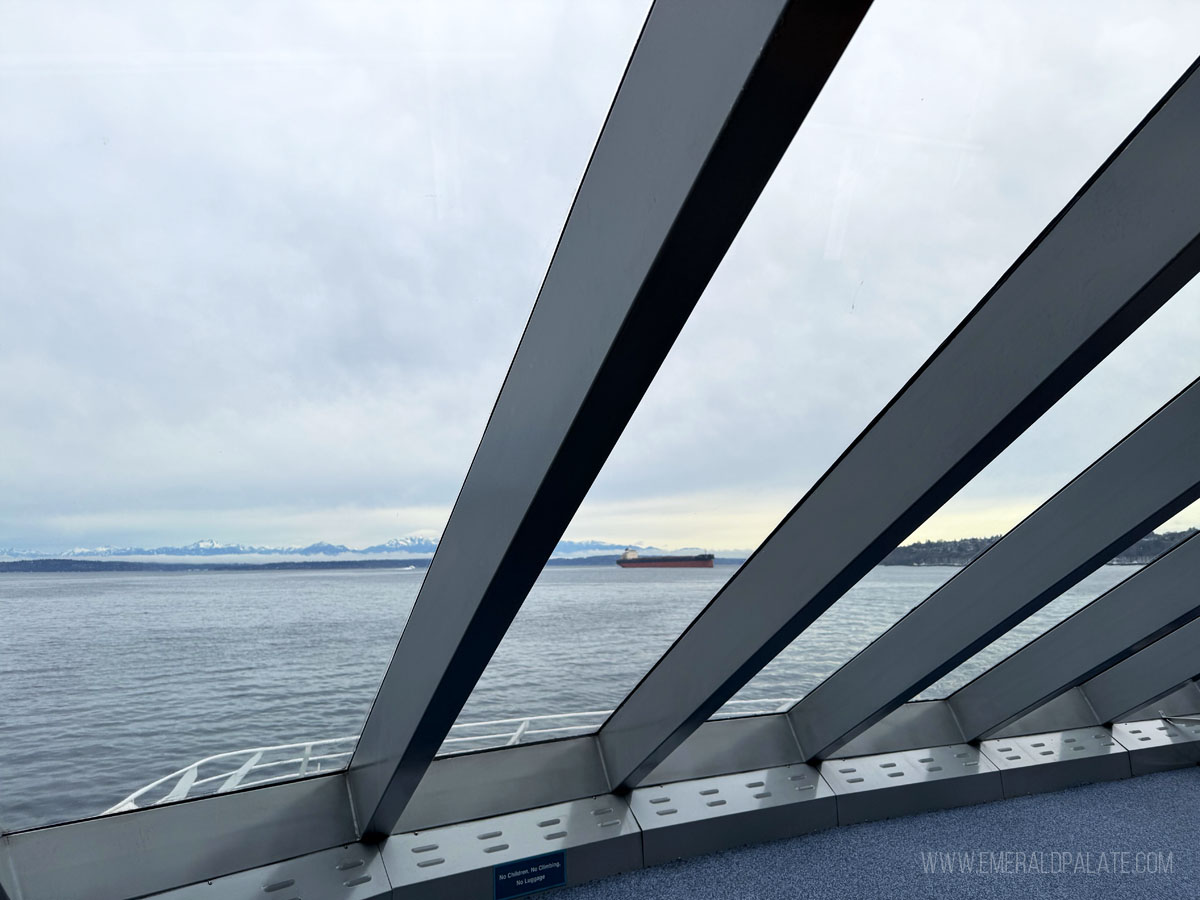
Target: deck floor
1098, 840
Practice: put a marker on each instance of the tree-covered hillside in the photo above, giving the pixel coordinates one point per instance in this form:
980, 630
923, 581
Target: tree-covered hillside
961, 552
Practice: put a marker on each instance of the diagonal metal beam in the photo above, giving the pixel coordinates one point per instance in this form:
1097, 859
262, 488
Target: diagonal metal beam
1148, 675
1124, 245
1137, 485
1141, 609
712, 96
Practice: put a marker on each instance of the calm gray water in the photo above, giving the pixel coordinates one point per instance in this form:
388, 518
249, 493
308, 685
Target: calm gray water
109, 681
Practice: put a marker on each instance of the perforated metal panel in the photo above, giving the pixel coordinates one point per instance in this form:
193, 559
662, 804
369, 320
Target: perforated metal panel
598, 836
1158, 744
354, 872
896, 784
687, 818
1079, 755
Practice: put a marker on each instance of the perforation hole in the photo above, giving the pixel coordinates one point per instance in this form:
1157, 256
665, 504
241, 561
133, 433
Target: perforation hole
797, 778
806, 787
488, 835
971, 762
934, 769
602, 811
278, 885
1004, 749
426, 863
548, 822
424, 848
925, 759
960, 755
361, 879
754, 784
555, 835
1014, 756
667, 812
495, 848
853, 780
716, 803
1047, 753
887, 765
1038, 744
1135, 731
1069, 740
847, 771
349, 864
609, 823
660, 800
1077, 749
709, 792
1143, 739
762, 795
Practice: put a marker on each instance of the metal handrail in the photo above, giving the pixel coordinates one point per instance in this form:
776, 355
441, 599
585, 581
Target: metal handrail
247, 768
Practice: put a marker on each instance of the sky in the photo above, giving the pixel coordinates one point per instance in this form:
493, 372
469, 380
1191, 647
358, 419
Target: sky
263, 265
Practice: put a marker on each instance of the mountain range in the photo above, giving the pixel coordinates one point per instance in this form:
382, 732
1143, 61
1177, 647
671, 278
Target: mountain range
396, 547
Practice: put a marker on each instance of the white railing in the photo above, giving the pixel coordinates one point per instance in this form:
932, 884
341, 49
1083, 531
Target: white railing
263, 765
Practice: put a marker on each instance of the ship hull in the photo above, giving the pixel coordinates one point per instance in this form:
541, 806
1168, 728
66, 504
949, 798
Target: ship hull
682, 563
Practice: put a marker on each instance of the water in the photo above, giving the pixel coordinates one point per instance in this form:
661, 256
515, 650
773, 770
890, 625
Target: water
111, 680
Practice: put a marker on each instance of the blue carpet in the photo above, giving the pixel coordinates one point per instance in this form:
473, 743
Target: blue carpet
1095, 841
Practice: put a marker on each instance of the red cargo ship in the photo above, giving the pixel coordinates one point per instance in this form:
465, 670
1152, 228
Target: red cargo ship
630, 560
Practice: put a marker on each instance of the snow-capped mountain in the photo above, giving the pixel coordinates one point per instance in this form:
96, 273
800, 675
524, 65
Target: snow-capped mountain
411, 546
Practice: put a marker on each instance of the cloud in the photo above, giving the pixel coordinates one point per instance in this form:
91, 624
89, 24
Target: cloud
261, 274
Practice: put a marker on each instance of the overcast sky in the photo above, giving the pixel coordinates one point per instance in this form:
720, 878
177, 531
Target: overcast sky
263, 265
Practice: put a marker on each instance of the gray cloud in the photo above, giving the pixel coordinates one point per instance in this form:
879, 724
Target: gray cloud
261, 273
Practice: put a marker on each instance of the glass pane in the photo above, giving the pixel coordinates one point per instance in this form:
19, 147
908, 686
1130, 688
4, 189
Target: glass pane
944, 142
1117, 396
264, 267
1123, 566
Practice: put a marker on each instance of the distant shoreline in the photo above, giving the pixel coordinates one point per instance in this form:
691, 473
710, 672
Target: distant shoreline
954, 554
116, 565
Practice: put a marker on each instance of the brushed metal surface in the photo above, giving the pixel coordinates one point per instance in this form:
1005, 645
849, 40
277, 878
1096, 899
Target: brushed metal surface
151, 850
1156, 745
504, 780
354, 872
599, 835
738, 744
883, 785
1153, 672
1058, 759
912, 726
687, 818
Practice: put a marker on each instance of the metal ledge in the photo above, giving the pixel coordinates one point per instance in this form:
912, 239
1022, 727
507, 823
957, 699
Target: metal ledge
136, 854
1066, 711
912, 726
146, 851
704, 815
725, 746
1155, 745
1055, 760
606, 834
571, 842
885, 785
503, 780
1183, 701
